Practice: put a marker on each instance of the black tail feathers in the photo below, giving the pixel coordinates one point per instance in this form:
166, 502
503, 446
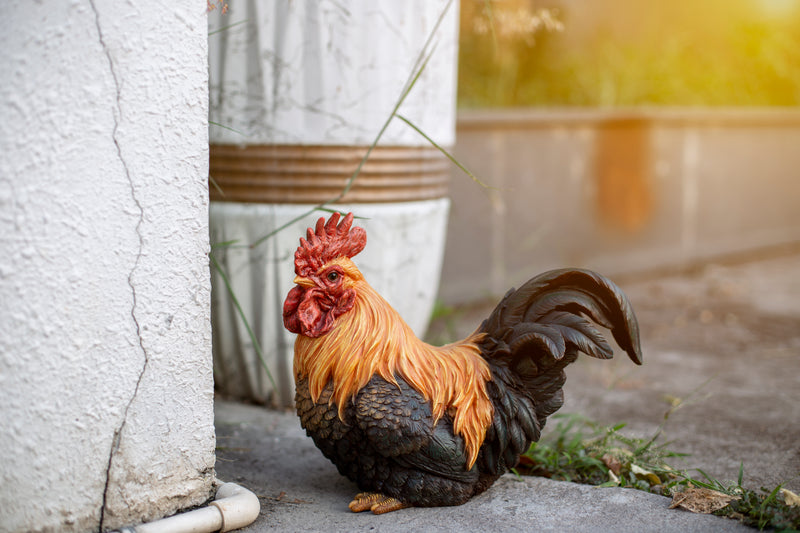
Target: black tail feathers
551, 311
538, 329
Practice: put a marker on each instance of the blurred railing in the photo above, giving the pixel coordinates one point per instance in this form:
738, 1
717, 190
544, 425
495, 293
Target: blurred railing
617, 191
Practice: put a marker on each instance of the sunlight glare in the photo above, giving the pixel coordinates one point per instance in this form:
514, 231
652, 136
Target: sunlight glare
779, 8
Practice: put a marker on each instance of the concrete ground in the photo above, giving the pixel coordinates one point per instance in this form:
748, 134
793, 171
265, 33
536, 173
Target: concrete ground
724, 339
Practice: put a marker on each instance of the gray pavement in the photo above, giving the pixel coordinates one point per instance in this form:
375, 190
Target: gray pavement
725, 339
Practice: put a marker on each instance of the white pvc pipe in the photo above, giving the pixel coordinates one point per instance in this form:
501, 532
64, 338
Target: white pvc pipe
238, 506
233, 507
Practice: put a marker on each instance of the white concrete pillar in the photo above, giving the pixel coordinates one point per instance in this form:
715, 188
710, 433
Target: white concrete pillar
106, 393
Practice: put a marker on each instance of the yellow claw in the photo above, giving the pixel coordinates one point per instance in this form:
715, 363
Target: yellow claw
375, 502
364, 500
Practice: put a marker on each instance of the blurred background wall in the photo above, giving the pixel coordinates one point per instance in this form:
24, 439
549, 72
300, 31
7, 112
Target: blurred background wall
545, 53
622, 136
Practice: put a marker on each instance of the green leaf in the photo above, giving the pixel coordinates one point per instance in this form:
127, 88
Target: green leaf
445, 152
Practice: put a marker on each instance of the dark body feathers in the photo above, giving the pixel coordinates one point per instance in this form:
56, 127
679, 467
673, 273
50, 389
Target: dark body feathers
388, 441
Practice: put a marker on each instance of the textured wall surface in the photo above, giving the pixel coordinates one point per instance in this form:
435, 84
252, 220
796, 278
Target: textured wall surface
105, 351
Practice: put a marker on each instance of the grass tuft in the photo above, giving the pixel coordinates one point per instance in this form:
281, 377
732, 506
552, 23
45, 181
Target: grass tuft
583, 451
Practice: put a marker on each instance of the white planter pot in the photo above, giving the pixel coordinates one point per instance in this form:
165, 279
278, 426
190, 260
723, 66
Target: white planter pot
307, 86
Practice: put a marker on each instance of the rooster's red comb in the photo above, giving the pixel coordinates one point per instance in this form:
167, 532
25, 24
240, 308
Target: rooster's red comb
328, 242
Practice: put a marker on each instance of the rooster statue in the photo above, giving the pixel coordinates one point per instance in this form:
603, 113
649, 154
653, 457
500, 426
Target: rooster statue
417, 425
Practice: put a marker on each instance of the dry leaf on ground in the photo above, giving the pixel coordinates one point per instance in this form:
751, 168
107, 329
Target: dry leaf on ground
700, 500
613, 464
790, 498
646, 475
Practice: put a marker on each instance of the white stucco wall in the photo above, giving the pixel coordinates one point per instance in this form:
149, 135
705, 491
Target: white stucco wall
106, 394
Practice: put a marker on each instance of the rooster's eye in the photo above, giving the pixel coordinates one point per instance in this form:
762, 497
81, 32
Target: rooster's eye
333, 276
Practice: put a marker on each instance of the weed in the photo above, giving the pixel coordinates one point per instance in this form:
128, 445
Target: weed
763, 509
583, 451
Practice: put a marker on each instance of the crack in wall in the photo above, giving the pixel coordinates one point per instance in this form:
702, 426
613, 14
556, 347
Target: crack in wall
116, 441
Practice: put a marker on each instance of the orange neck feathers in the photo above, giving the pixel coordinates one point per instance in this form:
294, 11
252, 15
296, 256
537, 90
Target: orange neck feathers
372, 339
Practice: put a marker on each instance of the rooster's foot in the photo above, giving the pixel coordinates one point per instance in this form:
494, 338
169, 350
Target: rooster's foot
375, 502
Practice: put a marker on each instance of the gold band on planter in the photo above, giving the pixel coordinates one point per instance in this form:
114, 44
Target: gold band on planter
315, 174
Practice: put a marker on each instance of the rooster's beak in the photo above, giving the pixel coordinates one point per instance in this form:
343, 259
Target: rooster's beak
303, 282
